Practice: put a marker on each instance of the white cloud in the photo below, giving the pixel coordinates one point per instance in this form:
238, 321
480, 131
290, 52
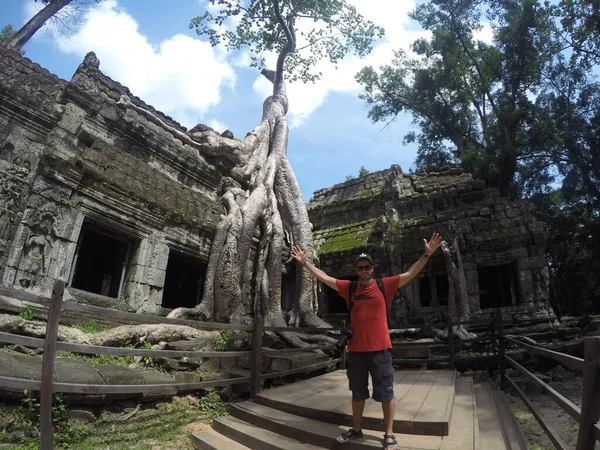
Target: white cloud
485, 34
181, 76
392, 15
217, 125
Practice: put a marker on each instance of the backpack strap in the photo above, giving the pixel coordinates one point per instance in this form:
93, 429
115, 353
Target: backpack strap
379, 282
382, 289
353, 285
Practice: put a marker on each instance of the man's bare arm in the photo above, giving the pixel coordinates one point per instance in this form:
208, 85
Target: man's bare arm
430, 248
299, 255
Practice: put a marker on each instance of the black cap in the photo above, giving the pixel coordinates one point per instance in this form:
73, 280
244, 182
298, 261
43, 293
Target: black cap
363, 256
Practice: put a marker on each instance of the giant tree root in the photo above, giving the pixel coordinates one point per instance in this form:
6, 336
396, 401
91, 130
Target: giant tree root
458, 331
115, 337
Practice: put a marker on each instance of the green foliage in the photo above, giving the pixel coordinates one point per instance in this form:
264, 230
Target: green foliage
27, 313
335, 30
472, 101
212, 405
6, 32
27, 420
221, 340
573, 223
98, 359
361, 173
580, 22
88, 327
164, 426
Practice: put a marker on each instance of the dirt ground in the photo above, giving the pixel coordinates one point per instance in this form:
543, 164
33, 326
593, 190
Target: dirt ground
558, 420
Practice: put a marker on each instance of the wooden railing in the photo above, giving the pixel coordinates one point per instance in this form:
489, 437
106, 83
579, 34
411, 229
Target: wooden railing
588, 415
55, 305
451, 344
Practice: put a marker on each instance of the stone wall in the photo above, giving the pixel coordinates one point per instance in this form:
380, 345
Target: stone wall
87, 156
389, 213
71, 154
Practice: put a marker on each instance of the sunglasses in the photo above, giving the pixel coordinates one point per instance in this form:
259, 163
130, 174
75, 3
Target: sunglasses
361, 268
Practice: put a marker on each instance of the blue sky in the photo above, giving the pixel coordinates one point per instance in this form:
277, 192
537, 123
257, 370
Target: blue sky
148, 46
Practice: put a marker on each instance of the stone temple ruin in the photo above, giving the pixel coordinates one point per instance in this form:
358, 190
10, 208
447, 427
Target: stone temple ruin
94, 192
388, 214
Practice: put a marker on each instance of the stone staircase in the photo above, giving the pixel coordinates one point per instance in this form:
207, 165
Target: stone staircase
481, 419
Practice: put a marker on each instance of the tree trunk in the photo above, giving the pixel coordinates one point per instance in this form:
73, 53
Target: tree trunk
263, 203
458, 300
21, 37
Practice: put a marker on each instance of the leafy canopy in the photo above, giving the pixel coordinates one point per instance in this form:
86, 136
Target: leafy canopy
336, 29
471, 100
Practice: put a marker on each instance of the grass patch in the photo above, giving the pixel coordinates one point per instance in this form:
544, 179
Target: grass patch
166, 426
27, 313
221, 340
88, 327
97, 359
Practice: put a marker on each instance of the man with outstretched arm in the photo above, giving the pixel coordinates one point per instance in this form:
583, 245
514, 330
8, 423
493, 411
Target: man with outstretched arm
370, 345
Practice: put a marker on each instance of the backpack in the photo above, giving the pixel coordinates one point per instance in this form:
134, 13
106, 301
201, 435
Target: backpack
353, 286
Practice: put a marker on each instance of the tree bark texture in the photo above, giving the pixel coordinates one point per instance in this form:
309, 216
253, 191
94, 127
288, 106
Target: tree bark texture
458, 300
21, 37
263, 207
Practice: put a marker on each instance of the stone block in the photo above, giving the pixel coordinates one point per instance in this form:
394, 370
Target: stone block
20, 366
72, 118
194, 345
137, 294
156, 277
69, 370
411, 353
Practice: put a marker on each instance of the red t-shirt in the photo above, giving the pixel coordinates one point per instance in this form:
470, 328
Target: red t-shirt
369, 314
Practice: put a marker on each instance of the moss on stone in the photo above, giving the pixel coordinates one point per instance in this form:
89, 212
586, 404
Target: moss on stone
346, 238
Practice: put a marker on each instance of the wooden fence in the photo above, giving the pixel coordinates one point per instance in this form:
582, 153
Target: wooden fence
588, 415
451, 344
47, 386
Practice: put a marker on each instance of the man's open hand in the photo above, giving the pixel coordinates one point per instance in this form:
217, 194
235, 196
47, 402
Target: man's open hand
433, 244
299, 255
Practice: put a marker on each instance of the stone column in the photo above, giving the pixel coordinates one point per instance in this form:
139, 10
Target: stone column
146, 275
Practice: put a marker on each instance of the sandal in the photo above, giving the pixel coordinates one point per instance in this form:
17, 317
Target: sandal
389, 442
349, 435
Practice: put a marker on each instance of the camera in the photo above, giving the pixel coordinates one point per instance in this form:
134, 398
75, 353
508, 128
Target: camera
345, 336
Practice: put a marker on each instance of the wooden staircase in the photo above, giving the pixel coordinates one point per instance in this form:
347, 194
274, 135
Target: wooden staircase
477, 418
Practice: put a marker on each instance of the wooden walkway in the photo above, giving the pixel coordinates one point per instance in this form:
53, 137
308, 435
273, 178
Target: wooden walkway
434, 410
423, 401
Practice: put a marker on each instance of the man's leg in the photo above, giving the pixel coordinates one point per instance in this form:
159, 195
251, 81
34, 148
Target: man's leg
359, 385
388, 416
382, 373
358, 406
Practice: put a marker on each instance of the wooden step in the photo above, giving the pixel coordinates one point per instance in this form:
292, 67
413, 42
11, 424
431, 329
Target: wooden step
464, 419
513, 433
257, 438
320, 433
490, 428
423, 401
212, 440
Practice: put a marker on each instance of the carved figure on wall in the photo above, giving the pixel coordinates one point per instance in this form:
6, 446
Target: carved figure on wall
10, 192
7, 217
38, 246
20, 168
